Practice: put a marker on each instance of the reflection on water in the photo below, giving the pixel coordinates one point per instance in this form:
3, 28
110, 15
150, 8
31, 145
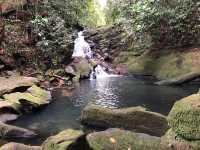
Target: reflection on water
116, 92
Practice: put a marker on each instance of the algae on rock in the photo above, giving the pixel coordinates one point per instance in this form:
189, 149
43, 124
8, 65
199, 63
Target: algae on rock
63, 140
133, 118
184, 117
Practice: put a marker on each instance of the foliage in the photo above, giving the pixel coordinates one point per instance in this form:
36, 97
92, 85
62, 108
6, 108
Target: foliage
54, 42
169, 23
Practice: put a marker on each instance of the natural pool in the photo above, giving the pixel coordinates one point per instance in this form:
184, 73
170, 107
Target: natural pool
116, 92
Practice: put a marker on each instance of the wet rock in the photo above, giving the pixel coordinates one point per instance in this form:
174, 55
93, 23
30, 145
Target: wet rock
66, 140
175, 142
184, 117
34, 96
82, 68
116, 139
122, 69
18, 146
133, 118
8, 131
70, 70
10, 84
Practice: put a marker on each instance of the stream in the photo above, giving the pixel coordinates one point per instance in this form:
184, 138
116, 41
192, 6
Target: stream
113, 92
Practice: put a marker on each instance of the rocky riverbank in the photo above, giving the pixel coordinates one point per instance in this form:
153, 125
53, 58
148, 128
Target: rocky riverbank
181, 134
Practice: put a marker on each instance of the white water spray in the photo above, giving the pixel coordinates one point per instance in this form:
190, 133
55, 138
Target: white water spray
82, 48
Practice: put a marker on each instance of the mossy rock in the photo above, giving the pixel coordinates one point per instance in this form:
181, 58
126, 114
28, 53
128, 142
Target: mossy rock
184, 117
82, 67
116, 139
134, 118
175, 142
10, 84
63, 140
18, 146
34, 96
10, 132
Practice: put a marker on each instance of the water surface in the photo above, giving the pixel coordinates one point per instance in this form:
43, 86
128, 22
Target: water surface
117, 92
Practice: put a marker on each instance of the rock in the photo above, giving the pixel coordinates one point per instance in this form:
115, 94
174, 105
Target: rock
8, 61
8, 111
122, 69
38, 92
174, 142
11, 5
34, 96
63, 141
133, 118
17, 146
184, 117
70, 70
82, 68
116, 139
181, 79
10, 84
8, 131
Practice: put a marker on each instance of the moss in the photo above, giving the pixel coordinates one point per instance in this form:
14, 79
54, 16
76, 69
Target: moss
184, 117
34, 95
178, 143
133, 118
165, 65
62, 140
116, 139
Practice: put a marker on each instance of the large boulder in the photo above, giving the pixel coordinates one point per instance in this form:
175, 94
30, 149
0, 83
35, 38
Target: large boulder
9, 131
17, 146
175, 142
80, 68
184, 117
34, 96
66, 140
10, 84
116, 139
134, 118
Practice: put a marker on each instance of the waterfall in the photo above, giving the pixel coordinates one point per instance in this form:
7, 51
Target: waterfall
81, 47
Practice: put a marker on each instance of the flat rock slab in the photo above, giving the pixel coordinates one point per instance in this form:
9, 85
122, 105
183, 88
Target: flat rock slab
10, 132
10, 84
117, 139
134, 118
18, 146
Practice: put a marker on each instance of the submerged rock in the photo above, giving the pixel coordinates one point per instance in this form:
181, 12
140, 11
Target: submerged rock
116, 139
184, 117
18, 146
10, 84
66, 140
8, 131
134, 118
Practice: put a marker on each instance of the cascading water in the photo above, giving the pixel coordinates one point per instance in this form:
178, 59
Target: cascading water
81, 47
